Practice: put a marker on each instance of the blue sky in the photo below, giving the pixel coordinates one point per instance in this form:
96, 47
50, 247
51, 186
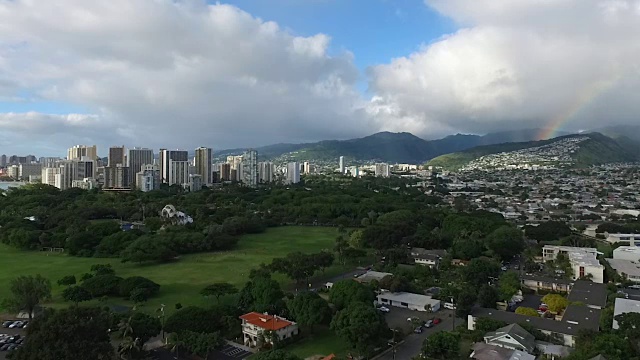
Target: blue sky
375, 31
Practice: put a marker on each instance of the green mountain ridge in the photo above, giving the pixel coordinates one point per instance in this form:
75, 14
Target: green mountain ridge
384, 146
597, 149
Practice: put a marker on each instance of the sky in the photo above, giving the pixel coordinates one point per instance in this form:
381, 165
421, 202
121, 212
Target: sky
247, 73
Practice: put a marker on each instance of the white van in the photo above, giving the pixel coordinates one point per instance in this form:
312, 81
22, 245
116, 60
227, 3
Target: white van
449, 306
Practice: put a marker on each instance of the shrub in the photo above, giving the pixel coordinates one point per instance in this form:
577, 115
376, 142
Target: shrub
101, 285
128, 285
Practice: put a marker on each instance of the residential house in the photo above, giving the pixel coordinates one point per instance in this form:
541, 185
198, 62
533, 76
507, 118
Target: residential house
584, 262
538, 283
255, 328
482, 351
430, 258
512, 337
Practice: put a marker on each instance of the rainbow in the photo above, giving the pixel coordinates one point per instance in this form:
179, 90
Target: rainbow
582, 100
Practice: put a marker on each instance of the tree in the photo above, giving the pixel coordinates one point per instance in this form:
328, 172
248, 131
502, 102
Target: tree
144, 326
139, 284
149, 249
67, 280
102, 269
76, 294
527, 311
201, 343
505, 242
309, 309
362, 326
556, 302
488, 296
464, 302
73, 333
262, 294
193, 318
101, 285
218, 290
441, 345
275, 355
480, 270
509, 285
629, 324
27, 292
346, 292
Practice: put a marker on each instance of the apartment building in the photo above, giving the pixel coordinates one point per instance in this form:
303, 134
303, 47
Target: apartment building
583, 261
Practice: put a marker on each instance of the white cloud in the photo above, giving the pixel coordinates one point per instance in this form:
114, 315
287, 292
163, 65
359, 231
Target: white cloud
521, 64
172, 74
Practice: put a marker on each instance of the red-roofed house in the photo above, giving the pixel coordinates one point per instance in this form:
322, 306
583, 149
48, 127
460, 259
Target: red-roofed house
254, 324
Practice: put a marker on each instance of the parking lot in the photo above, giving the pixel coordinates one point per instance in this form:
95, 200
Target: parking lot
412, 345
11, 336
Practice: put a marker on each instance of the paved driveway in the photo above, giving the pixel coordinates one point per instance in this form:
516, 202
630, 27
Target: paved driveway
412, 345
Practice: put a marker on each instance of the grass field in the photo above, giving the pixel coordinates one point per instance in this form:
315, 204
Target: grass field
322, 342
182, 280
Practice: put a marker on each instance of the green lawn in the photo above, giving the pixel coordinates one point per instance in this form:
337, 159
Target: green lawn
182, 280
322, 342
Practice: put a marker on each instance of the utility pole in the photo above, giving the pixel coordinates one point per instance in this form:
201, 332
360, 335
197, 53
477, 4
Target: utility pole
453, 320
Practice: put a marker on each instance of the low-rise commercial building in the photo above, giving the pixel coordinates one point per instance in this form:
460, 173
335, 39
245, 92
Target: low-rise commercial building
409, 301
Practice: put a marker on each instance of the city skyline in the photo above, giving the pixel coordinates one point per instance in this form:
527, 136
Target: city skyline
291, 72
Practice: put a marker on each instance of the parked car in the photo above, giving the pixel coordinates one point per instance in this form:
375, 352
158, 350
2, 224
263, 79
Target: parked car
436, 321
449, 306
5, 347
504, 268
418, 330
413, 319
17, 324
384, 309
428, 324
6, 324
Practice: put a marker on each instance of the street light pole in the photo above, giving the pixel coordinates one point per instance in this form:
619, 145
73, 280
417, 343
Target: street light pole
454, 314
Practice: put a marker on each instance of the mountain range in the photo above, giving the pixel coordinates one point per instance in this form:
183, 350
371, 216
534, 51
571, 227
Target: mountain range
407, 148
385, 146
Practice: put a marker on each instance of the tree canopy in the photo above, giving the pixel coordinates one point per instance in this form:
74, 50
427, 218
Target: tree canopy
27, 292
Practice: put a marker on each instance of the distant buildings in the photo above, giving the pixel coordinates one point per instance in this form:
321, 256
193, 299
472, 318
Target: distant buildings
148, 178
178, 172
382, 170
293, 173
138, 157
342, 168
171, 175
249, 168
79, 151
202, 164
266, 172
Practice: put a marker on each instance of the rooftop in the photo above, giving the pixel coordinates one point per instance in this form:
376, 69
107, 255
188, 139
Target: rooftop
372, 275
409, 298
623, 306
547, 279
582, 315
266, 321
590, 293
627, 267
516, 332
560, 327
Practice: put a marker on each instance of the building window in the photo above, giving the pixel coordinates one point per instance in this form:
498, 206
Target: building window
581, 271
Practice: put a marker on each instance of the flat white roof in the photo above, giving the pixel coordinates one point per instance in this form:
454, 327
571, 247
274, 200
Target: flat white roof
624, 306
630, 268
409, 298
627, 249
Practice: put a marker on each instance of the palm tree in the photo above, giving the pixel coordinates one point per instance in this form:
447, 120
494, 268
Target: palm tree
127, 346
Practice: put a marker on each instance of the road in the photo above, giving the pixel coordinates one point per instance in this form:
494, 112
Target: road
412, 345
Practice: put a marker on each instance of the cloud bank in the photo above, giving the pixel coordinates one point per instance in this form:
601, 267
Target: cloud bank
184, 73
518, 64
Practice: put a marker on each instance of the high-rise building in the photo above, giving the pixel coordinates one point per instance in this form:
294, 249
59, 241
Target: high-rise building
138, 157
307, 168
148, 178
86, 169
116, 177
48, 162
172, 155
233, 175
13, 171
117, 156
68, 171
224, 171
85, 184
195, 182
202, 163
249, 168
3, 160
382, 170
178, 172
78, 151
27, 170
49, 175
293, 173
342, 165
266, 172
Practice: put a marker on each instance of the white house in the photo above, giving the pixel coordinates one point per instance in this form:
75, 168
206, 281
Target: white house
512, 337
409, 301
256, 324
